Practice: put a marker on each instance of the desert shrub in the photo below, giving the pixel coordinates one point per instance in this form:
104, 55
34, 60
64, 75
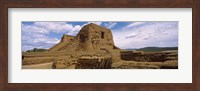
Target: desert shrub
37, 50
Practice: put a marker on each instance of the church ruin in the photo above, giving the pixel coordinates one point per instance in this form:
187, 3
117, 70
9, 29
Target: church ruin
90, 38
93, 48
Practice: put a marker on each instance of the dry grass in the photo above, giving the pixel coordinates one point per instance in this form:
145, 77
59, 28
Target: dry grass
145, 65
37, 59
45, 54
40, 60
38, 66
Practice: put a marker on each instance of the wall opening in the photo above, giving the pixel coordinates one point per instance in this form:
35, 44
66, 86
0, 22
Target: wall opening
102, 35
82, 38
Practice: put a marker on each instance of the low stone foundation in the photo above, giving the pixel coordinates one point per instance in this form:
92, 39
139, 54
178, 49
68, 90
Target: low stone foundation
130, 55
94, 63
64, 63
147, 57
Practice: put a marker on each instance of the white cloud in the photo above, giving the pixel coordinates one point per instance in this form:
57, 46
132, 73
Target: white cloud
34, 29
59, 27
134, 35
134, 24
98, 23
110, 24
35, 40
160, 34
36, 35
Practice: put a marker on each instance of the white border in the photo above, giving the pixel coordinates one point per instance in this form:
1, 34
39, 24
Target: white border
182, 75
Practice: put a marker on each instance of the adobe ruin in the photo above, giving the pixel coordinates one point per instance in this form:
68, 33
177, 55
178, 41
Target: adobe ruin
93, 48
90, 38
63, 42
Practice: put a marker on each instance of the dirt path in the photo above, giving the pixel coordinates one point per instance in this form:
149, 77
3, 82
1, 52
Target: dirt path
38, 66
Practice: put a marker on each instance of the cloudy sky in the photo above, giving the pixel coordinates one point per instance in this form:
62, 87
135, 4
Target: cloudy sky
127, 35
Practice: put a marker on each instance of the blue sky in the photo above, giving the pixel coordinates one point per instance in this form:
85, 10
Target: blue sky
127, 35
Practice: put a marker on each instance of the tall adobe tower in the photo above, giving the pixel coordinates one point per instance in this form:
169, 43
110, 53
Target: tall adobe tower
91, 37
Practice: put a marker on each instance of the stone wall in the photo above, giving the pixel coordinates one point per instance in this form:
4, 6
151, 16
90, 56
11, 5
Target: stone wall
145, 57
91, 37
64, 63
94, 63
65, 40
130, 55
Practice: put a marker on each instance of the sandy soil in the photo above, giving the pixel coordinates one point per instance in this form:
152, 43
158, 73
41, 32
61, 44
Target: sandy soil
38, 66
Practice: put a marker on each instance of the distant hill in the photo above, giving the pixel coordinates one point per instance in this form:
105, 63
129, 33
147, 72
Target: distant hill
157, 49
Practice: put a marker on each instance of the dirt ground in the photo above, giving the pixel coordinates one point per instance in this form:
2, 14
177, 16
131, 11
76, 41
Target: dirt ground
38, 66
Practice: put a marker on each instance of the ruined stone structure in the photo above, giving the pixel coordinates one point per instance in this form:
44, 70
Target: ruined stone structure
90, 38
93, 48
130, 55
65, 40
147, 57
94, 62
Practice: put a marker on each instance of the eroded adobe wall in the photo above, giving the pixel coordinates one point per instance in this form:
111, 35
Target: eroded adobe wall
145, 57
92, 37
94, 63
65, 40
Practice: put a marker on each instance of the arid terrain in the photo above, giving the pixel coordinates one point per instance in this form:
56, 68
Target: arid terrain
93, 48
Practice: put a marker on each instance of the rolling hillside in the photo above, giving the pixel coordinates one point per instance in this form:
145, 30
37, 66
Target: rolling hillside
157, 49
